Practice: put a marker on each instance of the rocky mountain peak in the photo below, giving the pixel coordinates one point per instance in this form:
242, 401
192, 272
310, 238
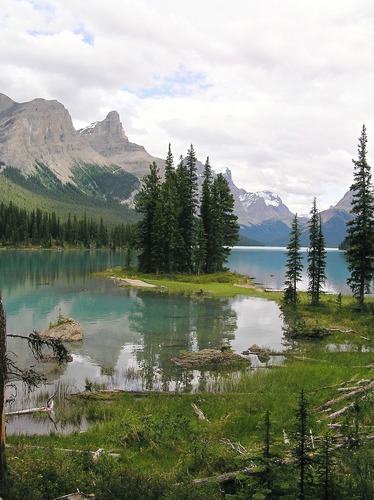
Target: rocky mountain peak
257, 207
41, 131
111, 127
5, 102
108, 138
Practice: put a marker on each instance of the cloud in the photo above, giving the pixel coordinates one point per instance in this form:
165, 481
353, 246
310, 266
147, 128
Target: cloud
276, 91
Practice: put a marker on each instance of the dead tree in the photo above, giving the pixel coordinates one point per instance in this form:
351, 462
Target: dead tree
10, 371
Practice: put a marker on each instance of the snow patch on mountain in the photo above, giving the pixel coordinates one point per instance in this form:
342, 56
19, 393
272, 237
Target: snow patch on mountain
88, 130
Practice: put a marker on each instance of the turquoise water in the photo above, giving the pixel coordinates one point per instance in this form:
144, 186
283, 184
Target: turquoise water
130, 335
267, 266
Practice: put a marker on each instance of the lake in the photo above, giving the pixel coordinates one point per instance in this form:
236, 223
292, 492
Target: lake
267, 266
131, 335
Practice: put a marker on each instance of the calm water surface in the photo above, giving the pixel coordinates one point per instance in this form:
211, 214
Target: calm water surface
267, 266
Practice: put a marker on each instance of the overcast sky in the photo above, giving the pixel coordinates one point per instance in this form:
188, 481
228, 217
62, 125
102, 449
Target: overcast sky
275, 90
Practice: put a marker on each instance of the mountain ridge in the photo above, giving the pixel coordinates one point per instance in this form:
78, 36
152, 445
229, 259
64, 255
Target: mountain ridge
38, 138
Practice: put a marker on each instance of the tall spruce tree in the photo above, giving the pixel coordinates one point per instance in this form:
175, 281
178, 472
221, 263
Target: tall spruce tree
187, 189
206, 236
149, 228
172, 239
294, 265
225, 228
360, 230
316, 256
302, 451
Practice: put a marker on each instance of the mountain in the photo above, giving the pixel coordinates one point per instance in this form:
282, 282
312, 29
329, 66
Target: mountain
265, 220
42, 153
42, 131
334, 223
45, 162
108, 138
262, 215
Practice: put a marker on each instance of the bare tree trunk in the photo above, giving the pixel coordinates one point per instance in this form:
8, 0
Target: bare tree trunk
3, 380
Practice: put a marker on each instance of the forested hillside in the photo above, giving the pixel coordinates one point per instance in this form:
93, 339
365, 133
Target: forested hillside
21, 227
63, 200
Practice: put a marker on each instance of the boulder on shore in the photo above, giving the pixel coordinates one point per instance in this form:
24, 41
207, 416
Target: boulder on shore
67, 330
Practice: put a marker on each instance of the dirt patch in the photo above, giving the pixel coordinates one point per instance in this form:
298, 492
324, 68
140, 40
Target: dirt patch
209, 358
138, 283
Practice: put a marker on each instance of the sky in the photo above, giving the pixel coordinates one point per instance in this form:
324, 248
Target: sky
277, 91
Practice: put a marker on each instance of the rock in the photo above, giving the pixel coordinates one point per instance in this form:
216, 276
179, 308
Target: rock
209, 358
67, 331
256, 349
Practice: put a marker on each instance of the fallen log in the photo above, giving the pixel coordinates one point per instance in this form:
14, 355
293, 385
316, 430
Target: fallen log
28, 411
347, 389
339, 412
339, 330
48, 408
227, 477
238, 447
350, 395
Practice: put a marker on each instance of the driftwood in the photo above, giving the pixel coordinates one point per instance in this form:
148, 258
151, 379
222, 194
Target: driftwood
238, 447
350, 395
48, 408
365, 338
339, 330
28, 411
285, 437
340, 412
198, 412
227, 477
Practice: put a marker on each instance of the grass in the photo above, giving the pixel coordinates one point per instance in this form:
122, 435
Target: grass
218, 285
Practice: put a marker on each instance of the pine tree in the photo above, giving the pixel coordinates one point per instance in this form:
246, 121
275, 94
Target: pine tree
316, 256
225, 228
360, 230
302, 450
147, 204
206, 236
190, 223
187, 216
294, 265
172, 239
